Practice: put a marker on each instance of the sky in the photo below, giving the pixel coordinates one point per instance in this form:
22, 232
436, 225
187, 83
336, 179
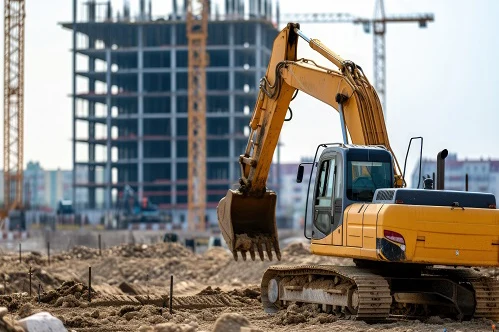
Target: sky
442, 81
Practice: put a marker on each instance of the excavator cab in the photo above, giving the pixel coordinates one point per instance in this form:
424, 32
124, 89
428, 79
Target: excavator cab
345, 174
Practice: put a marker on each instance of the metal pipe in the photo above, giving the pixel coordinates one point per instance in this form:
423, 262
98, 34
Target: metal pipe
340, 99
301, 34
441, 169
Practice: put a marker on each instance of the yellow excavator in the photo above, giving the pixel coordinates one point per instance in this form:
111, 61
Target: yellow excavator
414, 249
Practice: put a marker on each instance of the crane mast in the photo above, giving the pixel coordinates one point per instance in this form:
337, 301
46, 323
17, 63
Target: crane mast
14, 19
379, 51
197, 33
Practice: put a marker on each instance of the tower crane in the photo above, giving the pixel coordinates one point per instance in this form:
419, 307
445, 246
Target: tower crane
13, 125
377, 24
197, 34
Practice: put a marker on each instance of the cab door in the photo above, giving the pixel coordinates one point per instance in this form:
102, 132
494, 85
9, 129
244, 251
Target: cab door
323, 198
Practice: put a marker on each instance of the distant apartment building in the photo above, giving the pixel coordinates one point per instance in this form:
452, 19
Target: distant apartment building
291, 196
483, 174
44, 188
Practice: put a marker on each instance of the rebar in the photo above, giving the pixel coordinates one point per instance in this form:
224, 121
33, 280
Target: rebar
48, 252
89, 284
171, 294
29, 281
100, 250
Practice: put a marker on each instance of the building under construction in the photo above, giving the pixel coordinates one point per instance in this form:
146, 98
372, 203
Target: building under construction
130, 98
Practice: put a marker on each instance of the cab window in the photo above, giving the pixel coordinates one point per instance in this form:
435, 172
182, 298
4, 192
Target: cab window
364, 177
325, 187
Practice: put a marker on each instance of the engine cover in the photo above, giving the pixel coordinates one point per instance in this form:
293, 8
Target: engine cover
434, 198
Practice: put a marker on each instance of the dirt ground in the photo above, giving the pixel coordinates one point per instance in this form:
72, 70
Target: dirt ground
130, 287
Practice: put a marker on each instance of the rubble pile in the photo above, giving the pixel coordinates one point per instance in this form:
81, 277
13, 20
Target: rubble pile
160, 250
69, 294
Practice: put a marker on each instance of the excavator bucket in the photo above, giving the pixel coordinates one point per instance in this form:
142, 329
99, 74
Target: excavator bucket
248, 224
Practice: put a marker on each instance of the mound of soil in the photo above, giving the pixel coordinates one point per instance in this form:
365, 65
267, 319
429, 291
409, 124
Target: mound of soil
230, 322
69, 294
159, 250
295, 314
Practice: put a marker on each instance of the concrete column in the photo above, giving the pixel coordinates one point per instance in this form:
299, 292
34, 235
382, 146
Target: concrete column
91, 129
173, 118
140, 113
73, 191
232, 103
108, 177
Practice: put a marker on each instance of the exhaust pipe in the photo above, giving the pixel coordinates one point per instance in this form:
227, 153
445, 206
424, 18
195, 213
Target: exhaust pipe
441, 169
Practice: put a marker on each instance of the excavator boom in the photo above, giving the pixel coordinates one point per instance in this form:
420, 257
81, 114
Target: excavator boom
247, 215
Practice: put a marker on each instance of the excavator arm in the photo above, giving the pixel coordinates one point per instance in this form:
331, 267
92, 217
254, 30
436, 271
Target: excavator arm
247, 215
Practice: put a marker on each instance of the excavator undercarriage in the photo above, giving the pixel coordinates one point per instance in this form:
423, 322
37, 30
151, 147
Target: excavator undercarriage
359, 293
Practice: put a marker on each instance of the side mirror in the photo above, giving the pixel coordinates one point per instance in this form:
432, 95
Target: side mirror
299, 175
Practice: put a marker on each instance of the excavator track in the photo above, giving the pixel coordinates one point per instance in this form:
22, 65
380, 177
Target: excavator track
369, 295
372, 294
486, 297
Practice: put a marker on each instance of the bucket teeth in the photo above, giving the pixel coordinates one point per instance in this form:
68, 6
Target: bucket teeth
252, 253
260, 251
268, 248
277, 250
278, 254
245, 244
